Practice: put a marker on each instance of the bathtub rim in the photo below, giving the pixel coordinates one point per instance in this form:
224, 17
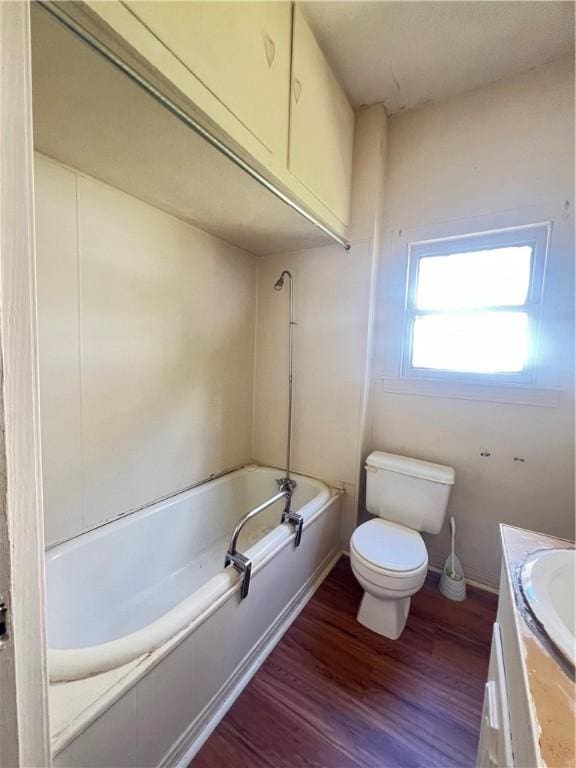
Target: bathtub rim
213, 478
67, 665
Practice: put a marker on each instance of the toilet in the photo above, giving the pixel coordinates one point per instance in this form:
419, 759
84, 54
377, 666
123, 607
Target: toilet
388, 555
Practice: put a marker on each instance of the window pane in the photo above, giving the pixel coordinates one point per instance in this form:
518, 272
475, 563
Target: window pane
474, 279
480, 342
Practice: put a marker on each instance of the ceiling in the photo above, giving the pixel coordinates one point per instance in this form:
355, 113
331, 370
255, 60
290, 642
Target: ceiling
406, 54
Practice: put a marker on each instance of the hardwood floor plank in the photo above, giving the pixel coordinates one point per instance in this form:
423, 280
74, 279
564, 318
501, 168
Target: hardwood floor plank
285, 738
361, 729
366, 656
333, 694
228, 748
403, 706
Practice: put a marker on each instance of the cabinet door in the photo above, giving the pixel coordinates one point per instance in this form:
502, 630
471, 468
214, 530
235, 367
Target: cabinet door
321, 124
495, 747
240, 51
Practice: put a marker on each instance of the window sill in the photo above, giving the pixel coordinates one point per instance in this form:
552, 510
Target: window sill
464, 390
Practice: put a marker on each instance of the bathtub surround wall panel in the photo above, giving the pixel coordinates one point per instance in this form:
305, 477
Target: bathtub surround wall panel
162, 324
167, 401
59, 348
496, 157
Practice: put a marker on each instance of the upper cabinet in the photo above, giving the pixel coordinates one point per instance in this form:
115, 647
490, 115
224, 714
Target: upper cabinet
253, 74
321, 125
240, 51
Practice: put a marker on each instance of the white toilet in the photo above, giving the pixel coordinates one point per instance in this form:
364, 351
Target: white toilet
387, 554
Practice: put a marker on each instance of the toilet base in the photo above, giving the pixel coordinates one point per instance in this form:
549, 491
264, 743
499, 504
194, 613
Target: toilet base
386, 617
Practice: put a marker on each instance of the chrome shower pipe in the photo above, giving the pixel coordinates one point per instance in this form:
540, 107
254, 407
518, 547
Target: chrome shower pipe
278, 285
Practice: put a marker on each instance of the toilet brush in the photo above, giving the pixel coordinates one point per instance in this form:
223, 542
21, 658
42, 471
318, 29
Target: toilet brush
451, 571
452, 583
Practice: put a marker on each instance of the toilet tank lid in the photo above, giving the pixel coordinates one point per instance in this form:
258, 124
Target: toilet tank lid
403, 465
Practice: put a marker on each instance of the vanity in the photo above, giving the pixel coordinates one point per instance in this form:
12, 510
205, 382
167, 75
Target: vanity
529, 710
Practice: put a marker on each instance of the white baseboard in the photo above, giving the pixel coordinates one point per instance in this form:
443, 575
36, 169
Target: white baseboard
189, 744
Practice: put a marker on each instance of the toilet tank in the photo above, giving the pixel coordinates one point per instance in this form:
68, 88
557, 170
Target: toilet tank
408, 491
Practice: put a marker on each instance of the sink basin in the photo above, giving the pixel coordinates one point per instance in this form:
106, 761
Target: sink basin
547, 580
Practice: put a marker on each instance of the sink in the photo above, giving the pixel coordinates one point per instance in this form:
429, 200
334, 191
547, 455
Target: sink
547, 580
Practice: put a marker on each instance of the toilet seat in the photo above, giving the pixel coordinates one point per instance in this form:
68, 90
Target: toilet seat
389, 546
389, 555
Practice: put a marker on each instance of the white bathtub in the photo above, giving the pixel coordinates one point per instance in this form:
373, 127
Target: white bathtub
124, 589
149, 591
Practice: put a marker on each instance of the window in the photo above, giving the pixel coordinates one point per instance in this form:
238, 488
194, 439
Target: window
473, 305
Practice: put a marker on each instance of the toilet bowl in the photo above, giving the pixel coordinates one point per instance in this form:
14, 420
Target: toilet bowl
390, 562
387, 554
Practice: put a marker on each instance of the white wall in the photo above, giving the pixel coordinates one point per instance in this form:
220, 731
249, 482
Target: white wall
146, 338
499, 156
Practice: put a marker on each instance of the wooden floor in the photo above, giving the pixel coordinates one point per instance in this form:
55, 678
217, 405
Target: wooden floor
334, 695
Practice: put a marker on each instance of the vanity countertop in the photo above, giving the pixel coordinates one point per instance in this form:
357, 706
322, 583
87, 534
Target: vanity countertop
550, 678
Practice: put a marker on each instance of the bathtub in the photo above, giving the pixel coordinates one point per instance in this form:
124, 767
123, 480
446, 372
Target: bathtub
149, 641
124, 589
148, 593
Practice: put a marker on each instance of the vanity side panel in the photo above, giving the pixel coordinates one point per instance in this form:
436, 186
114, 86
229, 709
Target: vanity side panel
524, 746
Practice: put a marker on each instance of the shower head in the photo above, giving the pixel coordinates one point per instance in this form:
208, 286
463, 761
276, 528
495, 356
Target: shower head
279, 284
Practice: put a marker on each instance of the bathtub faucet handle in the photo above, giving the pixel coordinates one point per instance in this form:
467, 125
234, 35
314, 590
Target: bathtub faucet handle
286, 484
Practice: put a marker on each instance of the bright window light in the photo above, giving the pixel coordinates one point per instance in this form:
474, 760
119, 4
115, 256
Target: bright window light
472, 311
474, 280
482, 342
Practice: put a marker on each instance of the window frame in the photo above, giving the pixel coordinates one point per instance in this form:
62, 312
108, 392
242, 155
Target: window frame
537, 236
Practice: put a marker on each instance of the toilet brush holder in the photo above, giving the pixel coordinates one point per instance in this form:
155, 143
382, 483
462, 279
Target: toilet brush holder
452, 582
